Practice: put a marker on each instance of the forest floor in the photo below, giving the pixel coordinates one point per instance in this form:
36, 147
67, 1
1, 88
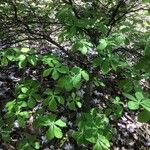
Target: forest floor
130, 134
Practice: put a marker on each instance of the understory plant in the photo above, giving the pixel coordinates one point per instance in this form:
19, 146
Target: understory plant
81, 65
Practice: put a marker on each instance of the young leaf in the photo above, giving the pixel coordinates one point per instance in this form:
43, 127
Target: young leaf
85, 75
21, 57
71, 105
47, 72
21, 121
146, 104
133, 105
119, 39
22, 63
57, 132
76, 80
52, 105
50, 133
84, 50
31, 103
105, 66
24, 90
79, 104
60, 123
4, 61
22, 96
139, 96
129, 97
63, 69
55, 74
102, 44
126, 85
97, 146
61, 100
37, 145
24, 114
32, 60
114, 65
104, 142
25, 50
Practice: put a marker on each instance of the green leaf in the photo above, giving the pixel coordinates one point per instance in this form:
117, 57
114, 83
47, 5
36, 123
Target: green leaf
47, 72
71, 105
84, 50
22, 96
133, 105
146, 1
139, 96
126, 85
5, 133
52, 105
37, 145
55, 74
97, 61
75, 70
114, 65
144, 116
89, 135
24, 114
52, 117
4, 61
22, 63
21, 57
25, 50
46, 120
97, 146
50, 133
104, 142
120, 39
32, 60
76, 80
57, 132
130, 97
102, 27
146, 104
79, 136
24, 90
61, 100
105, 66
31, 103
147, 50
60, 123
79, 104
48, 92
65, 82
102, 44
63, 69
85, 75
22, 104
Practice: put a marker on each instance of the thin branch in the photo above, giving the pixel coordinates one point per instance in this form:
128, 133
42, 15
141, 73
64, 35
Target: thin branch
74, 10
124, 14
21, 40
115, 12
125, 49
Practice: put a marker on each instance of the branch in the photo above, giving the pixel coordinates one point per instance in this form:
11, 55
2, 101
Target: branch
115, 12
124, 14
74, 10
21, 40
125, 49
49, 39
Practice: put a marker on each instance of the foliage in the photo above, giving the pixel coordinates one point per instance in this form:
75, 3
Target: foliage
93, 128
98, 46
